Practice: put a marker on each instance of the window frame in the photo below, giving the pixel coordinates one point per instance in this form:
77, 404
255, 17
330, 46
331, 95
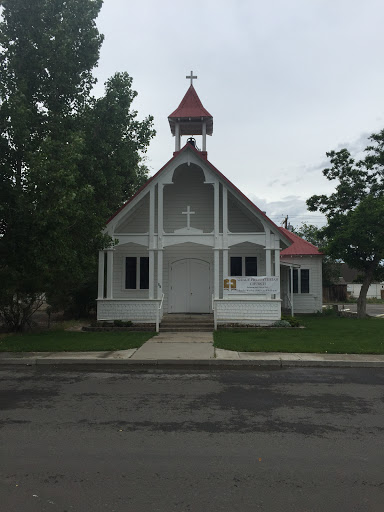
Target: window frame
299, 281
138, 276
242, 264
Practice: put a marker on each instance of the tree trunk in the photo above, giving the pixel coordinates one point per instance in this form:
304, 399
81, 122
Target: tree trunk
362, 300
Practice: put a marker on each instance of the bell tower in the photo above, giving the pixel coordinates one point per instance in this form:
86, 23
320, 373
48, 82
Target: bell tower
191, 118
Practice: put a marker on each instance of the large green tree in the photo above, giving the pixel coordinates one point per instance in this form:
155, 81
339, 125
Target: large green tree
355, 212
67, 159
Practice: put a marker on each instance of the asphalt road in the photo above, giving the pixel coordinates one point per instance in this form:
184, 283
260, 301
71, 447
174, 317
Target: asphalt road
292, 440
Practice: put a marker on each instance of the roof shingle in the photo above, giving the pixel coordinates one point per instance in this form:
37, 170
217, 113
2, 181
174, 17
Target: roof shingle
190, 106
299, 247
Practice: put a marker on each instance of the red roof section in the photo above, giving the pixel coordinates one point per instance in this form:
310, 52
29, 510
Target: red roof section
299, 247
283, 231
190, 106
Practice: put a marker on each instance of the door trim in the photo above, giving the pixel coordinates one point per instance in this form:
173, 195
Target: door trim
170, 298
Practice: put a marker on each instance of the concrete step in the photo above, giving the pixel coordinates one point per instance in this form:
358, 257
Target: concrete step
187, 322
186, 329
184, 324
180, 322
182, 317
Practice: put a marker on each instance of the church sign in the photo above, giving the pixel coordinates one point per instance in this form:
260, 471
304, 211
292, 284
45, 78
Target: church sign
257, 285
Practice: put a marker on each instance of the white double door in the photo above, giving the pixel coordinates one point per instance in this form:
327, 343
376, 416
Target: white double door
189, 286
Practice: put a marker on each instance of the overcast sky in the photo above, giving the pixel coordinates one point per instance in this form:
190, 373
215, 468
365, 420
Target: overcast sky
284, 81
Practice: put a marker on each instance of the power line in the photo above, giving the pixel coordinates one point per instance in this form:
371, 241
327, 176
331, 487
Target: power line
300, 215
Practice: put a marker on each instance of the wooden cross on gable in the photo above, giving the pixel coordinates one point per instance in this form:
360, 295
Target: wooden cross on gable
191, 77
188, 213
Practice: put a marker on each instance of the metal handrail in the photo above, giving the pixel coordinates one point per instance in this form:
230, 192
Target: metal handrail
214, 312
289, 302
289, 298
158, 313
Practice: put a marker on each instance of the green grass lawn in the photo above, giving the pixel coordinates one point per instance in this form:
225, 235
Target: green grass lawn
323, 334
66, 341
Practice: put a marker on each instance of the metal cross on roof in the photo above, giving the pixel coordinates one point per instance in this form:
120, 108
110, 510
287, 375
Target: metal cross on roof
191, 77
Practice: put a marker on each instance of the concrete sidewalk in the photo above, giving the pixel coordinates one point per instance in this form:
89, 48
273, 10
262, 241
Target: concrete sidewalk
189, 349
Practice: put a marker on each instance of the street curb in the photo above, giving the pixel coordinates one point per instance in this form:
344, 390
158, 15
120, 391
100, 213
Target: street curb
190, 363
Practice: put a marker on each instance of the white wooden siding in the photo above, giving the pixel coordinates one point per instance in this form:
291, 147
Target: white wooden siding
188, 189
137, 220
240, 220
143, 311
119, 255
256, 312
312, 301
248, 249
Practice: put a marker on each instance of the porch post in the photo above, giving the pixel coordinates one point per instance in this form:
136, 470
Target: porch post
268, 263
291, 271
159, 273
151, 273
225, 232
109, 274
225, 263
160, 190
151, 236
277, 267
216, 281
216, 261
100, 281
216, 211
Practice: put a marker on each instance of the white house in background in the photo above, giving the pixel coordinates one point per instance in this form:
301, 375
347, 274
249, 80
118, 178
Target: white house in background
190, 242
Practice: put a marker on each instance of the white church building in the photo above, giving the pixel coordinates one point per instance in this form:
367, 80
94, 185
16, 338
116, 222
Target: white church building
189, 241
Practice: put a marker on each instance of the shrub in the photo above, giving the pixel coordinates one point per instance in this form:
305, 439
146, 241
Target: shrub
293, 322
128, 323
122, 323
281, 323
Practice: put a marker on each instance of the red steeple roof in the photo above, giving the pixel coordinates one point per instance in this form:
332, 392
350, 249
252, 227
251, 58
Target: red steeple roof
191, 109
190, 106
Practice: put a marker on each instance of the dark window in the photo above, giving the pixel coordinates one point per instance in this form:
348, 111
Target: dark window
130, 273
236, 266
144, 273
304, 281
295, 280
250, 266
